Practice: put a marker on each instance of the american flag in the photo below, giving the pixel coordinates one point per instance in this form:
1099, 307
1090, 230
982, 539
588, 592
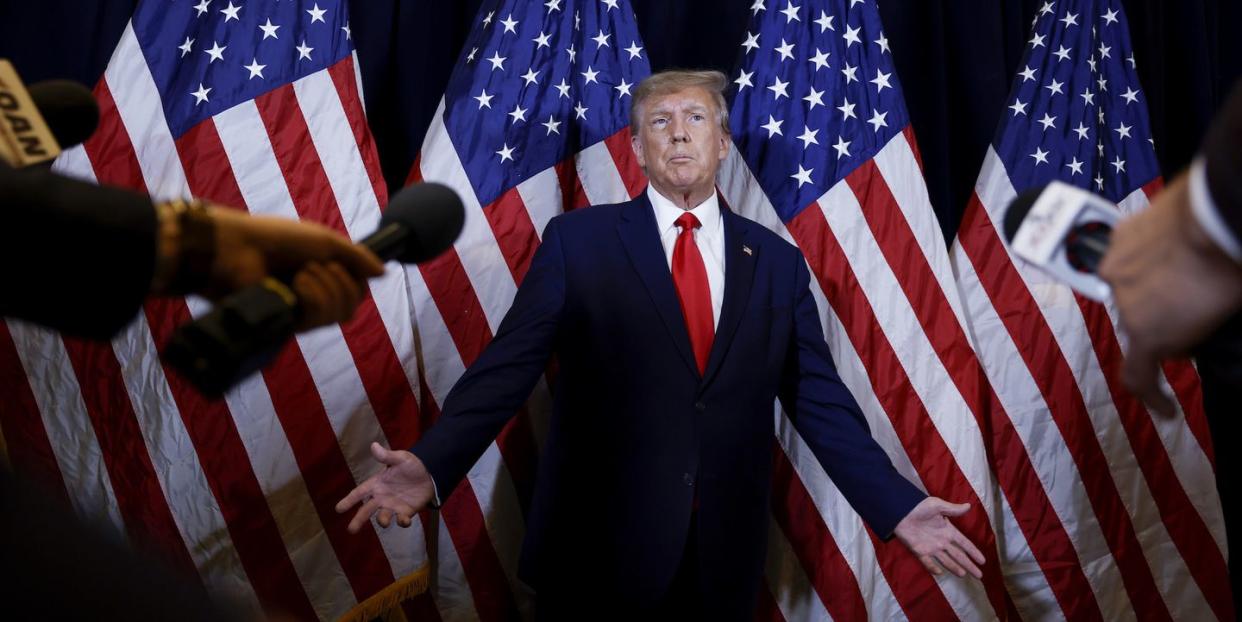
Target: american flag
826, 158
257, 105
1116, 512
534, 121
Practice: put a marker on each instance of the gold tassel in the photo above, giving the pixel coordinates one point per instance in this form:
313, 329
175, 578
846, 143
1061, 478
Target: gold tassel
386, 602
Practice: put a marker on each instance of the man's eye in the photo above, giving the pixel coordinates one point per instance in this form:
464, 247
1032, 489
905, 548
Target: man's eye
696, 117
659, 122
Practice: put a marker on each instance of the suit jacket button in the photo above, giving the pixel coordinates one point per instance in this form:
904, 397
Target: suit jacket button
700, 406
688, 479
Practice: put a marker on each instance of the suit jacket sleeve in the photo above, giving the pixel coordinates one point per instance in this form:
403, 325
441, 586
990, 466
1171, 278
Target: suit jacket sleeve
496, 385
1222, 152
78, 258
830, 421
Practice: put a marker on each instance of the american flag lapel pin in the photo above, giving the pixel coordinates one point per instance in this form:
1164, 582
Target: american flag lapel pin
746, 249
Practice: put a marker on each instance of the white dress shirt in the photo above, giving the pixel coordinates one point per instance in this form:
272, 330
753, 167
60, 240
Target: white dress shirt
1204, 210
709, 237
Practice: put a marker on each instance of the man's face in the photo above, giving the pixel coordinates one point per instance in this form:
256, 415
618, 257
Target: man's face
680, 142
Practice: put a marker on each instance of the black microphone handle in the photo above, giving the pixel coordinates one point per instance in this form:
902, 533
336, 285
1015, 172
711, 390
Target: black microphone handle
388, 242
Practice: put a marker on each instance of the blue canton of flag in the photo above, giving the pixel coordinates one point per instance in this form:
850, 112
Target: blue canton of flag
815, 97
1076, 112
542, 82
207, 56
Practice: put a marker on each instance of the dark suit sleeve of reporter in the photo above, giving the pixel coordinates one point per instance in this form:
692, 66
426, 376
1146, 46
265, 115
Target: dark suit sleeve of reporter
830, 421
1222, 151
497, 384
76, 257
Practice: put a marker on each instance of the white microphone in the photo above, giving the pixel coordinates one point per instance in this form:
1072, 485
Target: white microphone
1064, 231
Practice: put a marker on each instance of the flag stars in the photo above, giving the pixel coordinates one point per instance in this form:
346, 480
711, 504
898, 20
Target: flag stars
1105, 51
518, 113
1130, 59
510, 24
842, 147
590, 75
1018, 107
1041, 156
1123, 131
573, 54
1070, 19
785, 50
1081, 130
563, 87
1049, 122
1103, 84
825, 22
216, 52
881, 81
497, 61
635, 50
779, 88
820, 59
580, 111
1062, 53
542, 40
847, 109
505, 153
1119, 165
1037, 41
751, 42
1028, 74
487, 19
200, 95
230, 12
1075, 167
1109, 17
601, 39
553, 125
878, 120
186, 47
743, 80
808, 137
803, 176
623, 89
850, 72
304, 51
851, 36
1088, 98
553, 5
316, 14
202, 7
1046, 9
531, 76
485, 100
470, 56
348, 35
611, 4
1055, 88
255, 69
773, 126
815, 98
1099, 182
791, 12
757, 6
269, 30
1130, 95
883, 43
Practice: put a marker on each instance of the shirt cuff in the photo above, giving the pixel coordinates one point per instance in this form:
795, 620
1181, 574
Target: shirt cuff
1205, 212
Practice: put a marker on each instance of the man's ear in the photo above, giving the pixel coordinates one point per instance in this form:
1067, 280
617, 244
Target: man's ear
637, 145
725, 142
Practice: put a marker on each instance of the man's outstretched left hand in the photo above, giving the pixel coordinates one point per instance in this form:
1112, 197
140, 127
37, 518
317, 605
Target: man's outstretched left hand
927, 532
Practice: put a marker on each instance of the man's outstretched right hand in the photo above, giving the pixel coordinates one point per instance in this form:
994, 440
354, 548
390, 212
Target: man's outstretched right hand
404, 488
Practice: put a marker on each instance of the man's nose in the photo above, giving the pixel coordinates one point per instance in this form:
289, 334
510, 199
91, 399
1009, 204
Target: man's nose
677, 132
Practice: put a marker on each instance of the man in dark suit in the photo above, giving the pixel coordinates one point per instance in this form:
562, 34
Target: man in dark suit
676, 324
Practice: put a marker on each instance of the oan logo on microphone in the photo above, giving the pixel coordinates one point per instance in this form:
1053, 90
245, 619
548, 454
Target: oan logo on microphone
24, 137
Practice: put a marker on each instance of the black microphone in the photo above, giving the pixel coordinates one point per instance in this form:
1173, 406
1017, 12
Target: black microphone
1064, 231
69, 109
246, 330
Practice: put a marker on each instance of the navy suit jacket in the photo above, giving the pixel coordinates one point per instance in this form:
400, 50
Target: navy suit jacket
636, 431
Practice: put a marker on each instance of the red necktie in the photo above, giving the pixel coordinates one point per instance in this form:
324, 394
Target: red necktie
690, 278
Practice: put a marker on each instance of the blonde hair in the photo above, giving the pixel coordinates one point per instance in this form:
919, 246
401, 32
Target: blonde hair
675, 80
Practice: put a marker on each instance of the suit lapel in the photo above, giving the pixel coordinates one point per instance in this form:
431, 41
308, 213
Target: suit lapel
740, 257
641, 239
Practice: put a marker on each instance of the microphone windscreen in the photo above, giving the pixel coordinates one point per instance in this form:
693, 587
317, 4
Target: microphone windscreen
433, 216
68, 108
1018, 210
